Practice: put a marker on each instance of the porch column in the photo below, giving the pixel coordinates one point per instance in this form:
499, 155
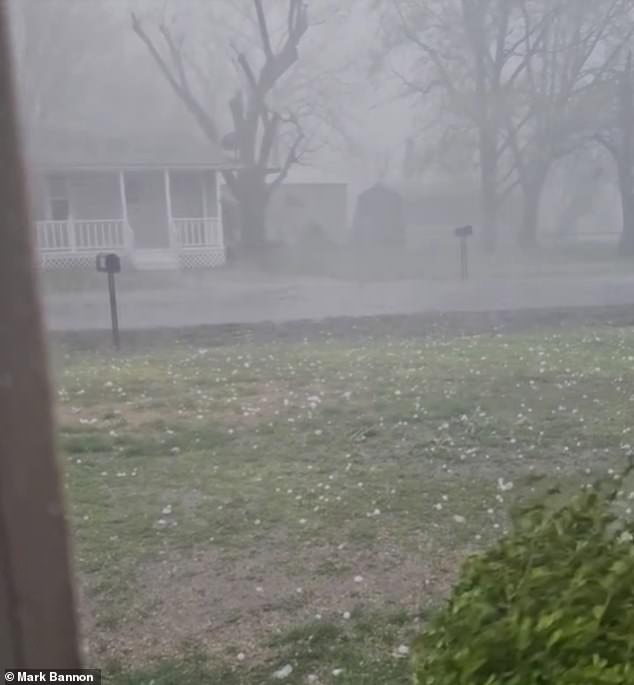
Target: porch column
208, 231
127, 230
204, 178
168, 204
70, 221
221, 228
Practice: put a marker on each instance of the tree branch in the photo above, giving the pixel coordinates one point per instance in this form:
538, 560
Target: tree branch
264, 30
271, 127
293, 157
277, 64
608, 144
505, 192
416, 87
178, 80
177, 57
429, 51
248, 72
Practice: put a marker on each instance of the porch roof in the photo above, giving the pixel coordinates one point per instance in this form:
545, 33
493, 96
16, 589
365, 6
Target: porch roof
68, 150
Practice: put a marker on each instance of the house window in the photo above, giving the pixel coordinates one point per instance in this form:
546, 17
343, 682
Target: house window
59, 206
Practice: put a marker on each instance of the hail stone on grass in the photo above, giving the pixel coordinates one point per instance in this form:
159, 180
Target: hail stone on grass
283, 672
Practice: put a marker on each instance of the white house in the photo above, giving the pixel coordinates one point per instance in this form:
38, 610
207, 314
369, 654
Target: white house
154, 200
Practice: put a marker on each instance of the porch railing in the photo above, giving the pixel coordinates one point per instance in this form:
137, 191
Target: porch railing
115, 234
193, 233
83, 236
53, 236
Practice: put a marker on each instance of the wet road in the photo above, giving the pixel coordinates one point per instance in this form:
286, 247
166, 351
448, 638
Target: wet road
233, 301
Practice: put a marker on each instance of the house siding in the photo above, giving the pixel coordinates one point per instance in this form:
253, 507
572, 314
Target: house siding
295, 206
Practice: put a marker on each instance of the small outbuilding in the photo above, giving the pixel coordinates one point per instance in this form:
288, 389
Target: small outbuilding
380, 217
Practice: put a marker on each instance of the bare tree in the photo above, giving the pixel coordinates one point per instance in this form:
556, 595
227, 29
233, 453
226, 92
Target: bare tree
519, 74
617, 137
469, 51
258, 127
565, 60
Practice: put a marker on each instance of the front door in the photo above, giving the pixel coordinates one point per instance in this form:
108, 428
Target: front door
147, 209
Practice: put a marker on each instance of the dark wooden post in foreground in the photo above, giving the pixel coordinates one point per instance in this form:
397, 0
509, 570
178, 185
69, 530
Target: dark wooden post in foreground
111, 264
37, 617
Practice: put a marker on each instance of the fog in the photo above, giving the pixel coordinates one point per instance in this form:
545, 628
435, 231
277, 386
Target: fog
372, 271
513, 121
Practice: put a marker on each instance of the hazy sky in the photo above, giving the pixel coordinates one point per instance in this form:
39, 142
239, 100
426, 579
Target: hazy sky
102, 77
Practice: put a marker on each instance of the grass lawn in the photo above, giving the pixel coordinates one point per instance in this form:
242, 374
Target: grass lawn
243, 508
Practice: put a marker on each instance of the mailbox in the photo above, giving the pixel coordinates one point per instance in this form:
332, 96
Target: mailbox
108, 263
464, 231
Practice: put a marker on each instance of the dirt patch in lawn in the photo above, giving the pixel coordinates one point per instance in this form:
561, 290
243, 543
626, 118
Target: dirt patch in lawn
235, 605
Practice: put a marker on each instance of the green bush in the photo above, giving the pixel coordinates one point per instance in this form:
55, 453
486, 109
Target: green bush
550, 604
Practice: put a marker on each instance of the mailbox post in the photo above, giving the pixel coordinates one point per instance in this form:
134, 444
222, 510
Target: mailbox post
110, 264
463, 234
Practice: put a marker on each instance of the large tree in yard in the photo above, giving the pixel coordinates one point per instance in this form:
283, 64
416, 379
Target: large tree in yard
259, 128
566, 60
517, 74
617, 137
467, 58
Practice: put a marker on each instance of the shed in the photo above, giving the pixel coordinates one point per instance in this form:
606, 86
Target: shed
380, 217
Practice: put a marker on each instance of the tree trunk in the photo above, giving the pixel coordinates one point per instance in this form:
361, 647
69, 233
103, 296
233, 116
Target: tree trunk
488, 191
625, 157
489, 216
626, 186
253, 203
527, 238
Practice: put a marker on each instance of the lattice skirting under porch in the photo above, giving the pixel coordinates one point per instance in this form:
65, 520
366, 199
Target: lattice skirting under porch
189, 259
67, 260
200, 259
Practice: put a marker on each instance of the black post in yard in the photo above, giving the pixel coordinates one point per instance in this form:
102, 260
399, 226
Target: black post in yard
111, 264
114, 314
463, 234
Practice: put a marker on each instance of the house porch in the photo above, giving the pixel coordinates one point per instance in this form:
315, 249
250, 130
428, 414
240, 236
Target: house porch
153, 218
